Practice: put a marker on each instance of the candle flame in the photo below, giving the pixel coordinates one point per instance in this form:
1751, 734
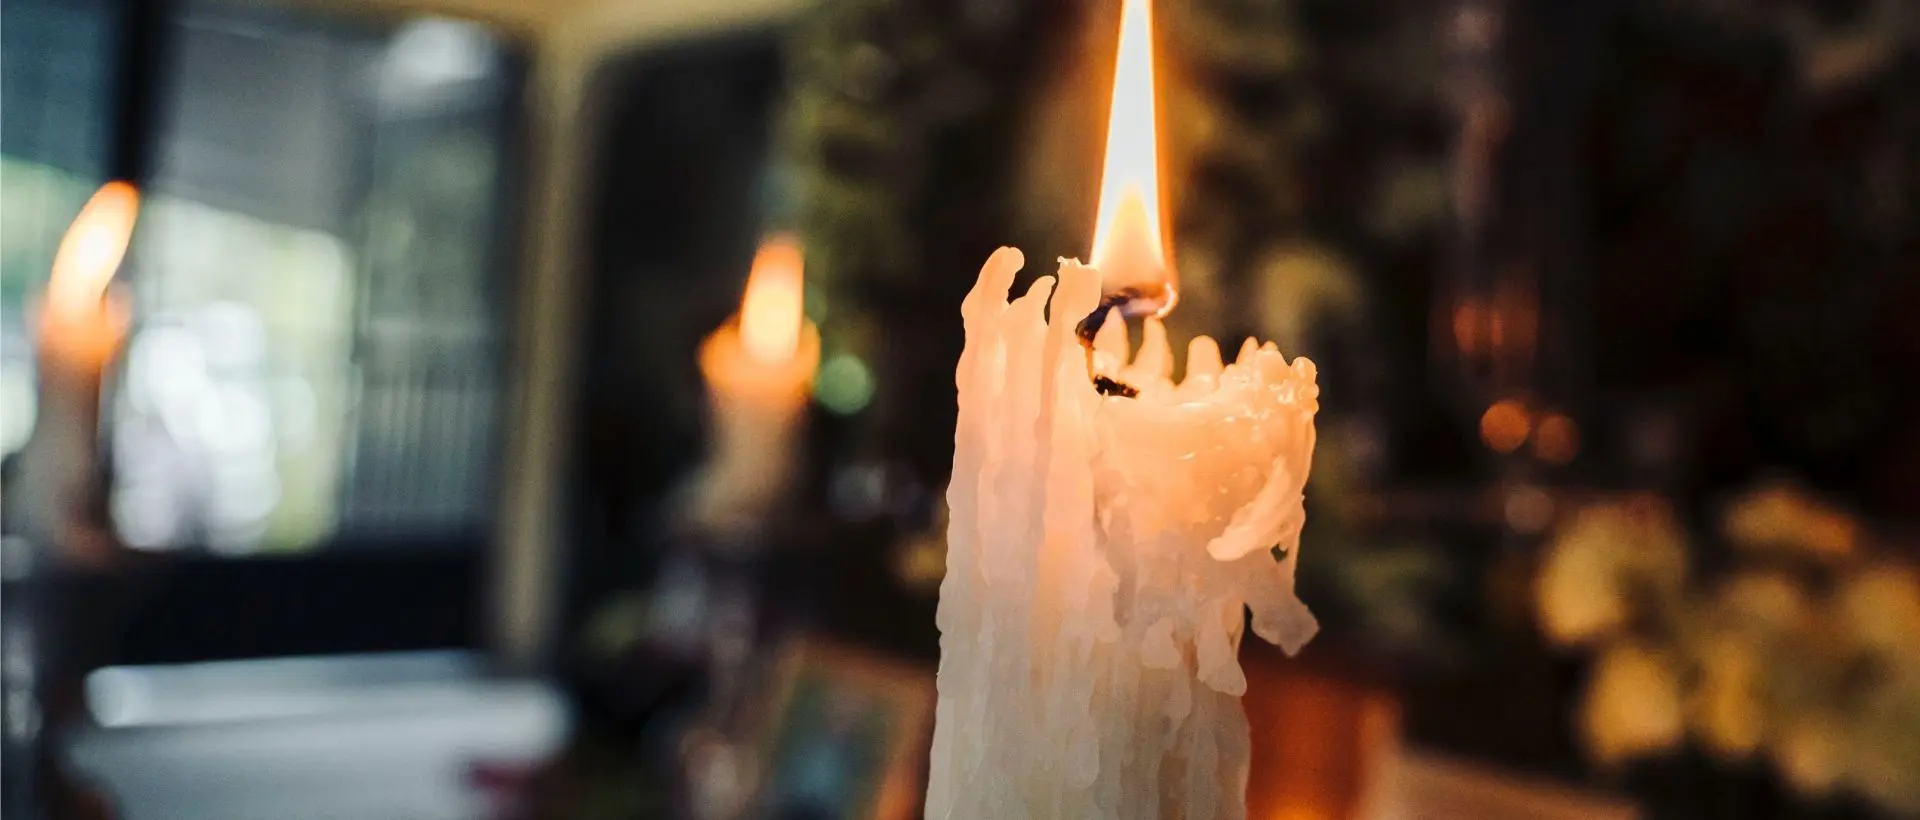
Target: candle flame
774, 310
91, 251
1129, 243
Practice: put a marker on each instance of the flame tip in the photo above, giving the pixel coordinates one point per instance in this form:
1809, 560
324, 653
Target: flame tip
92, 248
773, 309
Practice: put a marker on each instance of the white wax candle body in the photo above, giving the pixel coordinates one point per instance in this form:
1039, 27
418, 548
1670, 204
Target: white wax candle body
1100, 553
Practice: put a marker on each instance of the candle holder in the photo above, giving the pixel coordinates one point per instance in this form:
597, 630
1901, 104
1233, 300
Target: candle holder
56, 543
729, 623
715, 589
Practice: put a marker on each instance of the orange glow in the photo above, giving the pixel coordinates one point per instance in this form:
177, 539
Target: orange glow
1324, 742
1468, 317
91, 251
1558, 439
774, 308
1129, 245
1505, 426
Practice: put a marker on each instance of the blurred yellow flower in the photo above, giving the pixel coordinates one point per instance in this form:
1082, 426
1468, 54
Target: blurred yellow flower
1782, 517
1632, 706
1725, 706
1812, 662
1880, 608
1602, 555
1764, 601
1578, 598
1812, 753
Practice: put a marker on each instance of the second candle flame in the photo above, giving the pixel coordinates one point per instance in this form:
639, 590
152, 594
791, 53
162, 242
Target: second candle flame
774, 308
91, 251
1129, 245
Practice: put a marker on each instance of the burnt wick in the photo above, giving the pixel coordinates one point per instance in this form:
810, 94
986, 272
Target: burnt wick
1108, 387
1090, 328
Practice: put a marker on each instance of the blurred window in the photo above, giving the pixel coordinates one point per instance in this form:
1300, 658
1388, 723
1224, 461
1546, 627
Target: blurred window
319, 287
37, 201
56, 78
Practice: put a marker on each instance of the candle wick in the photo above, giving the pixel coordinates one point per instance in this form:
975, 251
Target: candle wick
1090, 327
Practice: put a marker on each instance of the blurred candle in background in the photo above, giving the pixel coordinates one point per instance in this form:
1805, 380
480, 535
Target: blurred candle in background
80, 325
759, 369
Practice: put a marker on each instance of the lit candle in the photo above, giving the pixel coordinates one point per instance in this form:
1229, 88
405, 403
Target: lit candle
759, 371
80, 326
1103, 548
